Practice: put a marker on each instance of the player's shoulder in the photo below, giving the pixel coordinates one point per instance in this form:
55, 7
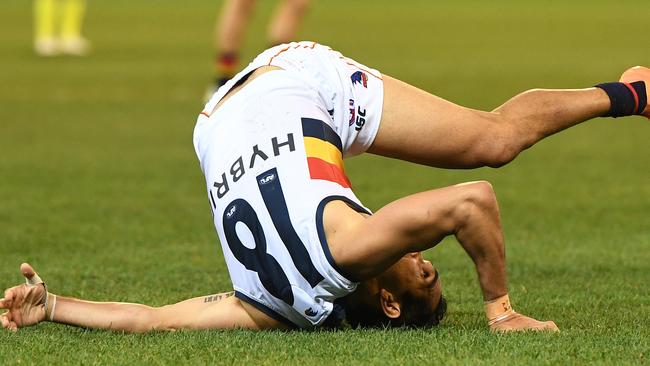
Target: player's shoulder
341, 219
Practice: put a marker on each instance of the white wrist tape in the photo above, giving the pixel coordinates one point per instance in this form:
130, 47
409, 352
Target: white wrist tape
53, 308
35, 280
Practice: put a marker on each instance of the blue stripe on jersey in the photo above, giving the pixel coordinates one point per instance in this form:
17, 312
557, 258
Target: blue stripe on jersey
270, 272
265, 309
271, 189
320, 130
321, 230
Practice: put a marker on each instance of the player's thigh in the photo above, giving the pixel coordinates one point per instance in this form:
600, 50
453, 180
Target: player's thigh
423, 128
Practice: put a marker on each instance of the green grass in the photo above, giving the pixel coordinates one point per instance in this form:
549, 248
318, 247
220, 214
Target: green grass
101, 191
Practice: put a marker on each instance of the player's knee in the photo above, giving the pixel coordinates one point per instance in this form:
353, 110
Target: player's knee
503, 146
502, 155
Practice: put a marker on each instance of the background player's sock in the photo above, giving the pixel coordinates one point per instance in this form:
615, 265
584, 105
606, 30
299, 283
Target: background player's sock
626, 99
45, 43
226, 67
72, 19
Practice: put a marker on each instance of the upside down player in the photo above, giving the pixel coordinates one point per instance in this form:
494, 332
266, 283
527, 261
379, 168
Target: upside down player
302, 251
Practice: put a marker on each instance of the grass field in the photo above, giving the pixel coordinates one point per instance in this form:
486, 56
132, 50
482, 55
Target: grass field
101, 191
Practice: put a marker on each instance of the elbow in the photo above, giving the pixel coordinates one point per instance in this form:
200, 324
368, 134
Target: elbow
145, 319
163, 319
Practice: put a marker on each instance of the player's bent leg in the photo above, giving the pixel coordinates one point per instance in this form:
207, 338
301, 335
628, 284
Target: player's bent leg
443, 134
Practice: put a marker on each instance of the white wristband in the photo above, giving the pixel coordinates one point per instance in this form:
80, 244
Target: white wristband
53, 308
49, 311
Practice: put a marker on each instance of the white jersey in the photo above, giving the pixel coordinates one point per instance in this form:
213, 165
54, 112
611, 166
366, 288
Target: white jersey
272, 158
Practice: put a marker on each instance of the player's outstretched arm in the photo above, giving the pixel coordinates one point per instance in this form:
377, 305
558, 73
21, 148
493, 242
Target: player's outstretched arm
31, 303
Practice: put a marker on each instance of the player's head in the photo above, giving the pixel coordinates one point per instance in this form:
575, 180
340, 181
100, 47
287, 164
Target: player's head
409, 293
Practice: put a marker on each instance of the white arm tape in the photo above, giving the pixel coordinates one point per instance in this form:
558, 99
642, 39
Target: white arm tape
53, 308
35, 280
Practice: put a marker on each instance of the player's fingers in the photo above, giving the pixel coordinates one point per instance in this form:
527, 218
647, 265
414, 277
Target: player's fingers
30, 275
3, 304
9, 296
4, 320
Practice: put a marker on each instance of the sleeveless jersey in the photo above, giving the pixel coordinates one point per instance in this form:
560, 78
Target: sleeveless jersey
272, 155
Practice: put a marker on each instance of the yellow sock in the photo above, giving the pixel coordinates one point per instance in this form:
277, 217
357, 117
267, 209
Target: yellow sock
44, 14
72, 18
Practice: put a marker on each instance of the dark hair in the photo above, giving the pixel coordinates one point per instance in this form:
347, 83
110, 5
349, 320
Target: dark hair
413, 315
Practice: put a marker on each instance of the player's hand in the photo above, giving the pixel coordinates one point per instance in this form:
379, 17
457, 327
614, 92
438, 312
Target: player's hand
24, 304
517, 322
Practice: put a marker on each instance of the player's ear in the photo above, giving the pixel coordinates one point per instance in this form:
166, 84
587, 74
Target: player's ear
389, 305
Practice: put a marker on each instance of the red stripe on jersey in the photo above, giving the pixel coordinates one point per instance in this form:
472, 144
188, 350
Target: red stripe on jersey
320, 169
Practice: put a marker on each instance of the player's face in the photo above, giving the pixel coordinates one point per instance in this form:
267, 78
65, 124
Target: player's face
418, 277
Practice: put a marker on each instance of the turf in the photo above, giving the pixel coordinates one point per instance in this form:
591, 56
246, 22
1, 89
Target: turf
100, 189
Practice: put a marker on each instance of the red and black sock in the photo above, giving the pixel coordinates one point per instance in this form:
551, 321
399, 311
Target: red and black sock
626, 99
226, 67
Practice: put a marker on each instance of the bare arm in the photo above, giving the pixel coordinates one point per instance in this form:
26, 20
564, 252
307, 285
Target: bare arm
419, 222
31, 304
197, 313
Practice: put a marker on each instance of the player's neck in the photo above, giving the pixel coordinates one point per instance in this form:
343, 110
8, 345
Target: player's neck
366, 294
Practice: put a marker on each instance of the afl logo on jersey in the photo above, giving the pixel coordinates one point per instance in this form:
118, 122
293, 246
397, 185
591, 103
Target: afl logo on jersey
311, 312
231, 211
360, 77
268, 178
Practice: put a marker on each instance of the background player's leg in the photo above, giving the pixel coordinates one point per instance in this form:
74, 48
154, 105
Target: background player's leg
45, 43
286, 21
443, 134
231, 27
72, 16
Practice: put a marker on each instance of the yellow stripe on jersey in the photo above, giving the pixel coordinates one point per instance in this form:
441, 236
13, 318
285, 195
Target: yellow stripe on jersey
317, 148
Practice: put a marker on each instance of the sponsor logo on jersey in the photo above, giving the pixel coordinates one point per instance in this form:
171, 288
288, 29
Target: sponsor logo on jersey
311, 312
357, 116
267, 178
359, 77
360, 121
232, 211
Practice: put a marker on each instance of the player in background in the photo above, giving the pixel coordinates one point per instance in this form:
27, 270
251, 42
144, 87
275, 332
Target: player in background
57, 27
296, 98
231, 27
